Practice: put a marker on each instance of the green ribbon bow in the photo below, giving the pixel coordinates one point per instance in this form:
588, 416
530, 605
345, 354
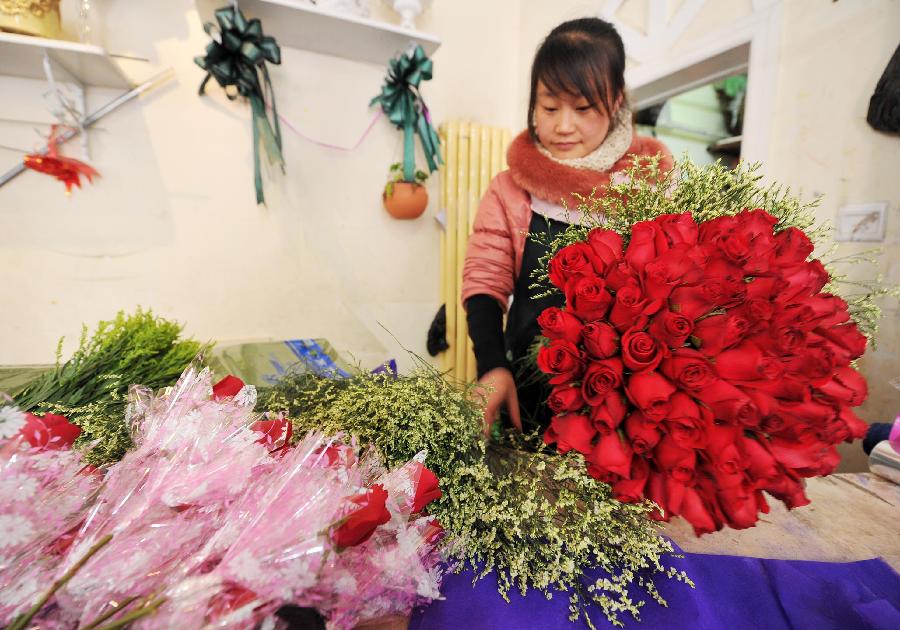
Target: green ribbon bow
236, 59
401, 101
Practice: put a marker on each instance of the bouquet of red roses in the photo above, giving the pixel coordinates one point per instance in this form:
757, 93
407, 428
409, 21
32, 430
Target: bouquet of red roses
702, 365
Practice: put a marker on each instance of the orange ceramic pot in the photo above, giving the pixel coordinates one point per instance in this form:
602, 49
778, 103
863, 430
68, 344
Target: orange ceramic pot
408, 201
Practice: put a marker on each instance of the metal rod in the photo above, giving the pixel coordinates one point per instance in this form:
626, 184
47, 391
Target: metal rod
104, 111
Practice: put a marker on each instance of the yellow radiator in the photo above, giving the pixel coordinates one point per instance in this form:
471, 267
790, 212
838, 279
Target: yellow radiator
473, 154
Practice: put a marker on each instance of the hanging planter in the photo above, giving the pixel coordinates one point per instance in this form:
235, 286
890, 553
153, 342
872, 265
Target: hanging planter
404, 195
403, 199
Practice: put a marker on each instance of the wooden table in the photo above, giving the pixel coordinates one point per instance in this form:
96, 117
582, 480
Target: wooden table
852, 516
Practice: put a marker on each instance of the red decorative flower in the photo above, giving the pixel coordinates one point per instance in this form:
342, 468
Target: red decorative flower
275, 433
49, 431
702, 365
227, 387
427, 489
359, 525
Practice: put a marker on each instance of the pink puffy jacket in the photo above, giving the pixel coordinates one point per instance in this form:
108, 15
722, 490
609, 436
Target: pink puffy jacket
494, 251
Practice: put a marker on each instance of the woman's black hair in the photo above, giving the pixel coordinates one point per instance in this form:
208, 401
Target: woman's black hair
583, 57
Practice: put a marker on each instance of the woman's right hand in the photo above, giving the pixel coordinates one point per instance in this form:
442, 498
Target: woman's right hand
503, 395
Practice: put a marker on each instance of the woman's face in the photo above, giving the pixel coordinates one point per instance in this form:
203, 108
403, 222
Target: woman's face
567, 125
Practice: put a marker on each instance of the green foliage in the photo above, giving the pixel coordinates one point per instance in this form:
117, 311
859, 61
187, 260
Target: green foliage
90, 389
537, 520
708, 192
396, 175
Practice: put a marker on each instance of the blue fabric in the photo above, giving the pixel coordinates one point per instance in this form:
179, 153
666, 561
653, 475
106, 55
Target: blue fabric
732, 592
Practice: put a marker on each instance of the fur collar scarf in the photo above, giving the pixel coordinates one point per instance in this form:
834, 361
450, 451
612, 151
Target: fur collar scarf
551, 181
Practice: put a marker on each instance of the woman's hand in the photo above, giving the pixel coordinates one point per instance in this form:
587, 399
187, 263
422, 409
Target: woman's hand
503, 395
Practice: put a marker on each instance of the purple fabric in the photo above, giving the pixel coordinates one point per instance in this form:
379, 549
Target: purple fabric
732, 592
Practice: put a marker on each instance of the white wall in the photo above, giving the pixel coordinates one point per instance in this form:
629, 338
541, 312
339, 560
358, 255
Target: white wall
173, 223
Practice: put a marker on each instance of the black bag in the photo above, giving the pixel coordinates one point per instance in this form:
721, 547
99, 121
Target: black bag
884, 106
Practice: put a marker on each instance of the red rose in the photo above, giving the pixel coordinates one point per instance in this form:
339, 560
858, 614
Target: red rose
676, 229
746, 362
427, 489
433, 531
577, 258
641, 352
631, 490
587, 297
674, 268
619, 274
643, 434
731, 279
231, 598
803, 280
565, 398
630, 304
642, 248
856, 427
227, 387
727, 460
688, 369
847, 386
807, 412
609, 414
676, 462
49, 431
787, 490
758, 312
761, 466
846, 337
600, 378
718, 332
556, 323
729, 404
275, 433
827, 310
600, 340
816, 364
655, 490
359, 525
696, 301
562, 359
739, 505
607, 247
672, 329
697, 512
650, 393
765, 402
686, 422
609, 457
337, 454
792, 246
571, 431
804, 456
713, 230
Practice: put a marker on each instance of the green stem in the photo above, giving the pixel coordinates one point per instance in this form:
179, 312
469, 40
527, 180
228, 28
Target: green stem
112, 611
134, 615
21, 622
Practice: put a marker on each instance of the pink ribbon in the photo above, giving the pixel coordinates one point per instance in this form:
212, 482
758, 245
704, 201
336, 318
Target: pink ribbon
287, 123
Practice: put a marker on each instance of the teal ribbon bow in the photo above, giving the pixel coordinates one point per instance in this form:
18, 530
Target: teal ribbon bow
236, 59
401, 101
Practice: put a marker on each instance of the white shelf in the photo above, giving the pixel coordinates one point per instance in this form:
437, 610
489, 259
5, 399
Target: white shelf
23, 56
299, 25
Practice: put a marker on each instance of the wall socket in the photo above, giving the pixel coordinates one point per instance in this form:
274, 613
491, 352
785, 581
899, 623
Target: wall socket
861, 221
